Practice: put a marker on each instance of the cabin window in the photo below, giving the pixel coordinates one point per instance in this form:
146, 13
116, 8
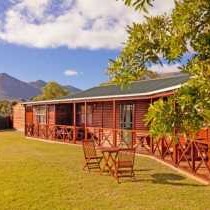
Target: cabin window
126, 118
126, 122
81, 115
41, 115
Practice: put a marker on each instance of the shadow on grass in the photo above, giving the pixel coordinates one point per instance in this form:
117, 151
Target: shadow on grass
166, 179
139, 171
7, 130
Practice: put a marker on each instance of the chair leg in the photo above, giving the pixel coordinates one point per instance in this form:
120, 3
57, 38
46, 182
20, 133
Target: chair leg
133, 176
116, 175
85, 166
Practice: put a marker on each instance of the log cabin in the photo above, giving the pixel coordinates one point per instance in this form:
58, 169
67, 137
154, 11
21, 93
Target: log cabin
112, 116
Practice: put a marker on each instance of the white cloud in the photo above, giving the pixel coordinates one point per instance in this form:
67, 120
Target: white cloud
71, 73
88, 24
165, 68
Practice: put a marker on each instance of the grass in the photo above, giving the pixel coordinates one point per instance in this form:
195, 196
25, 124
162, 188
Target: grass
38, 175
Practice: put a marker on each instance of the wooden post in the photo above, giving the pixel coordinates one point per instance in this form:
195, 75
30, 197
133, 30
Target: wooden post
102, 123
175, 144
74, 123
133, 131
162, 148
25, 131
193, 156
54, 114
85, 120
114, 123
46, 121
175, 153
55, 122
151, 138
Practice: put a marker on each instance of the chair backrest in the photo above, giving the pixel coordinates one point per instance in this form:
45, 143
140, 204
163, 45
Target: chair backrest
89, 148
126, 158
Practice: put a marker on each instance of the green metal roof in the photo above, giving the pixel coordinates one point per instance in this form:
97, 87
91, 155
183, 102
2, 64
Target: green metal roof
138, 87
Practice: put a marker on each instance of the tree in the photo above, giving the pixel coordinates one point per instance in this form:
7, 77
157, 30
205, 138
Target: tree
164, 37
159, 113
186, 31
52, 91
139, 4
5, 108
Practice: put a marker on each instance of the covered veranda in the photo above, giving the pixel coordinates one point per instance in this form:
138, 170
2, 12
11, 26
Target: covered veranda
115, 118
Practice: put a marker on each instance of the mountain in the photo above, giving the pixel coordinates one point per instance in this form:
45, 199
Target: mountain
15, 89
72, 89
40, 84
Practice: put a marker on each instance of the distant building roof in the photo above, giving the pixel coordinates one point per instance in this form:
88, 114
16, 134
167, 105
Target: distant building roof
138, 88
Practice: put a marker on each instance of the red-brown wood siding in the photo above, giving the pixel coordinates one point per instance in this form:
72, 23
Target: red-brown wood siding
51, 114
19, 117
108, 115
29, 115
97, 115
140, 109
64, 114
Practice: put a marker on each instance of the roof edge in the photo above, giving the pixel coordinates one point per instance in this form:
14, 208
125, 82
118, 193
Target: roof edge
105, 97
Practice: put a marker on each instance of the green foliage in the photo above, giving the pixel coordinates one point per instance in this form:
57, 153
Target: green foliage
170, 37
184, 113
52, 91
162, 119
139, 4
5, 108
185, 31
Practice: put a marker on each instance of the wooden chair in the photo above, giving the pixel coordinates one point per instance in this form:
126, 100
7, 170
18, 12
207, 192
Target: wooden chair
125, 164
92, 160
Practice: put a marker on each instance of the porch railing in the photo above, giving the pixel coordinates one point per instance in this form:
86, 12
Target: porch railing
190, 155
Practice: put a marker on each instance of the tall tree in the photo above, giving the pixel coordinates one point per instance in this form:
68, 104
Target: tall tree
186, 31
169, 38
52, 91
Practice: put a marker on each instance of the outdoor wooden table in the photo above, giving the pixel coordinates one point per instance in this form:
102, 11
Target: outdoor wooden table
110, 157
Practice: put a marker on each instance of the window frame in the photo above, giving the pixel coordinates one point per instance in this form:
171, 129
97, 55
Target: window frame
41, 114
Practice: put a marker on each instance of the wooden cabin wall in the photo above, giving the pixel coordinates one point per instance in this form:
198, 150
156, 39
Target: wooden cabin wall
118, 114
51, 115
56, 114
102, 114
97, 115
140, 109
29, 115
19, 117
34, 115
108, 115
64, 114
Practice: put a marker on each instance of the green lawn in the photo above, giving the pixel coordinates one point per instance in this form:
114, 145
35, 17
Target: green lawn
38, 175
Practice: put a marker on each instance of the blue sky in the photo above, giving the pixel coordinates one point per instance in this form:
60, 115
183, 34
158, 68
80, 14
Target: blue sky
30, 64
69, 41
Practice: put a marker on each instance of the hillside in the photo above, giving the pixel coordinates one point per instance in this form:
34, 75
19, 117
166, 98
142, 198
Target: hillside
15, 89
40, 84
